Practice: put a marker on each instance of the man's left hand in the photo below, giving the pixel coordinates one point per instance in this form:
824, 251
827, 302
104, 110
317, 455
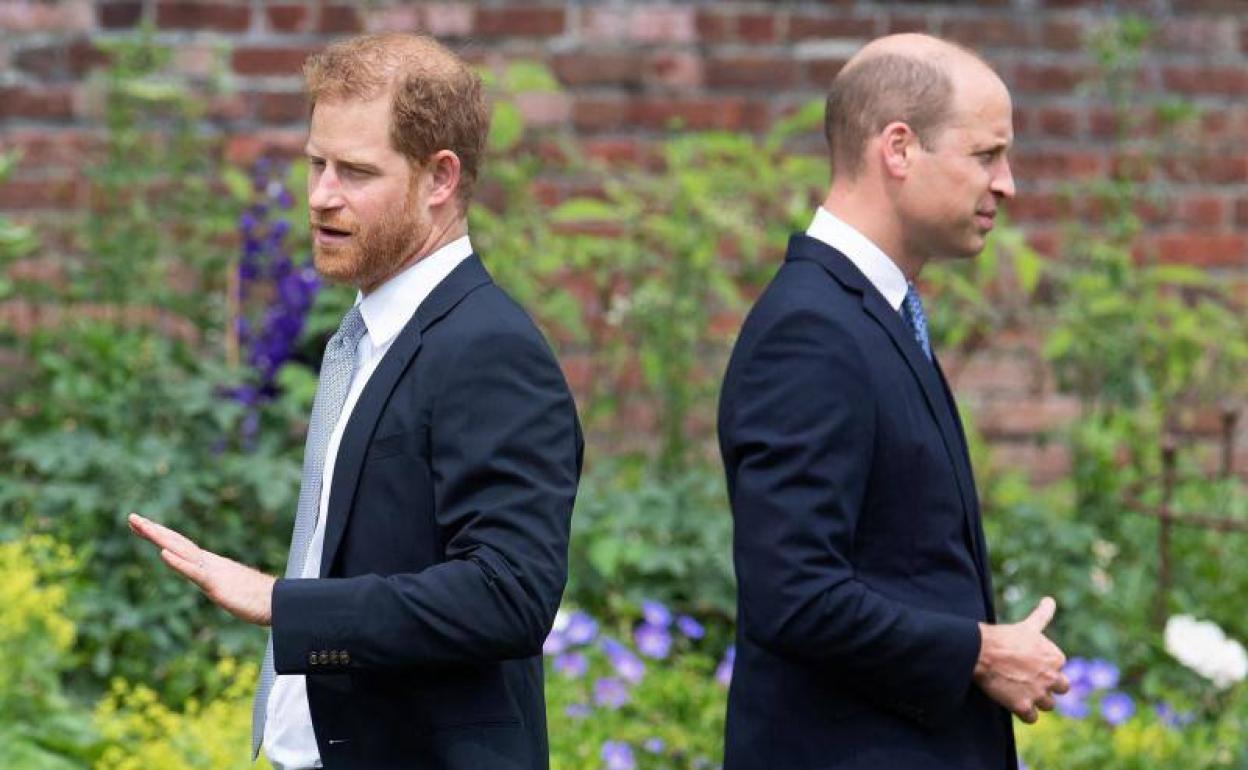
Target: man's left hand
236, 588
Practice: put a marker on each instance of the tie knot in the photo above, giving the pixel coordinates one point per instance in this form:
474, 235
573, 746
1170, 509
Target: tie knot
350, 330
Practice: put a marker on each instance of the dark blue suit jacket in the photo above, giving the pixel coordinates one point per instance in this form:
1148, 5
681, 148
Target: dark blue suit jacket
445, 546
858, 548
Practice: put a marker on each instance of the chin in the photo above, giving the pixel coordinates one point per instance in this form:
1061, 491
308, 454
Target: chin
338, 266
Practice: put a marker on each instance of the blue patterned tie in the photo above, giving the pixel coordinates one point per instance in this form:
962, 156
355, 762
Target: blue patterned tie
337, 370
912, 309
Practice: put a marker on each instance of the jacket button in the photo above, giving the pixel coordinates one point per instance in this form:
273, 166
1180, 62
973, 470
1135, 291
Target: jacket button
346, 659
312, 659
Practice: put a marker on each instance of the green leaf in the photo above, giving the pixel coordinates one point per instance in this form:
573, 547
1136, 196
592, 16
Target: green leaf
506, 127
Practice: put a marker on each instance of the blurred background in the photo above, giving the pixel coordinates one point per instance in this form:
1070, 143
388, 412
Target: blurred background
160, 328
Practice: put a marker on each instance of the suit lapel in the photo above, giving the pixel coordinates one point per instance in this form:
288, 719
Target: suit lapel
927, 374
358, 433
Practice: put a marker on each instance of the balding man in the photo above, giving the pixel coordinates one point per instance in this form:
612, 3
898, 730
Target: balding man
866, 634
430, 546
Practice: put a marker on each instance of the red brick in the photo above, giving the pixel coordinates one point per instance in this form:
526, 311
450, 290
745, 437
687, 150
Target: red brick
599, 113
1204, 211
987, 32
1222, 81
1241, 213
616, 150
675, 69
1062, 36
1208, 169
50, 149
619, 68
758, 27
270, 61
751, 71
520, 22
1204, 250
45, 103
244, 149
698, 114
1056, 164
37, 193
1025, 417
1036, 207
1056, 121
119, 15
212, 16
1046, 241
339, 19
804, 26
1200, 36
287, 18
904, 23
544, 109
1043, 463
64, 16
1046, 78
821, 72
715, 26
281, 106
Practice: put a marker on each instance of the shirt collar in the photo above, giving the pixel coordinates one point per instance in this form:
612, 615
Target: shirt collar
390, 306
881, 271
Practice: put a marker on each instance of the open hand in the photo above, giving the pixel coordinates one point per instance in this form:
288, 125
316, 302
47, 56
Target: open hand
1019, 667
236, 588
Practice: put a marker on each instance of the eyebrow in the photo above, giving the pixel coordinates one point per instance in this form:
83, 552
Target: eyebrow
361, 165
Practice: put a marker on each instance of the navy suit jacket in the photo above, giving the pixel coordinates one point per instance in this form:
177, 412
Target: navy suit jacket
857, 542
445, 546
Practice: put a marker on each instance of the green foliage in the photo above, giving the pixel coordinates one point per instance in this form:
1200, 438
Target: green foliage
40, 728
141, 732
1143, 742
636, 537
672, 717
121, 406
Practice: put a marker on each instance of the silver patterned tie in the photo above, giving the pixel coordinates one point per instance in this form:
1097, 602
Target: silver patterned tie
337, 369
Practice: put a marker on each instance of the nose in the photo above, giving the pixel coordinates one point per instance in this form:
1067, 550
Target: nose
1002, 184
324, 191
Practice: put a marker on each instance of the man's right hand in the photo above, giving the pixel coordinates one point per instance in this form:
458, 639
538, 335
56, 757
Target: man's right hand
1019, 667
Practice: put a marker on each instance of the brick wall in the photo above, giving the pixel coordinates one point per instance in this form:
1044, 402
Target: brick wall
629, 68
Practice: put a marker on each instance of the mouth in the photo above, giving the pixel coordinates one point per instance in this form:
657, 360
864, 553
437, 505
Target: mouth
324, 234
985, 219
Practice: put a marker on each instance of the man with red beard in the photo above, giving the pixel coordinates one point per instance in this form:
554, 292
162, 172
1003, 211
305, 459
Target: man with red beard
430, 543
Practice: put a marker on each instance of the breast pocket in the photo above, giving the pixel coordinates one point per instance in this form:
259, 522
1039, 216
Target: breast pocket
409, 443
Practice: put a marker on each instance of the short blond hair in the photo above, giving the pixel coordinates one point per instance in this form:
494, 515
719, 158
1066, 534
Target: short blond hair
436, 98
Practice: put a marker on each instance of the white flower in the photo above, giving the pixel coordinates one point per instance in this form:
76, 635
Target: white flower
1204, 648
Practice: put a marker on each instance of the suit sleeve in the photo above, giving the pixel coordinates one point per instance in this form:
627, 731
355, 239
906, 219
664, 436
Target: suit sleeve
506, 456
798, 425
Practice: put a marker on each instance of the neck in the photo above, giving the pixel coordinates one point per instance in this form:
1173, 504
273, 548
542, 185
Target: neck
871, 213
439, 235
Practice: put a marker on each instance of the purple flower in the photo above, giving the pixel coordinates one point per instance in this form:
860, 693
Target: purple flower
610, 692
577, 710
581, 628
1117, 707
622, 659
555, 644
1168, 716
691, 628
1102, 675
656, 614
571, 664
653, 745
617, 755
653, 641
723, 674
1072, 705
1076, 671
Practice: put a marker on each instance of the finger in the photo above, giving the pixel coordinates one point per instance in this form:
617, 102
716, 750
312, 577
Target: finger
1045, 703
191, 570
1042, 614
164, 537
1028, 715
1061, 686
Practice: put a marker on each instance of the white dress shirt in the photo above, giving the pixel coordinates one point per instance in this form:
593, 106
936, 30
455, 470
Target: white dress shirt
881, 271
289, 741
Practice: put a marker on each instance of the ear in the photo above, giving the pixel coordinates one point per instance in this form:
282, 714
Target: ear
898, 146
444, 171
